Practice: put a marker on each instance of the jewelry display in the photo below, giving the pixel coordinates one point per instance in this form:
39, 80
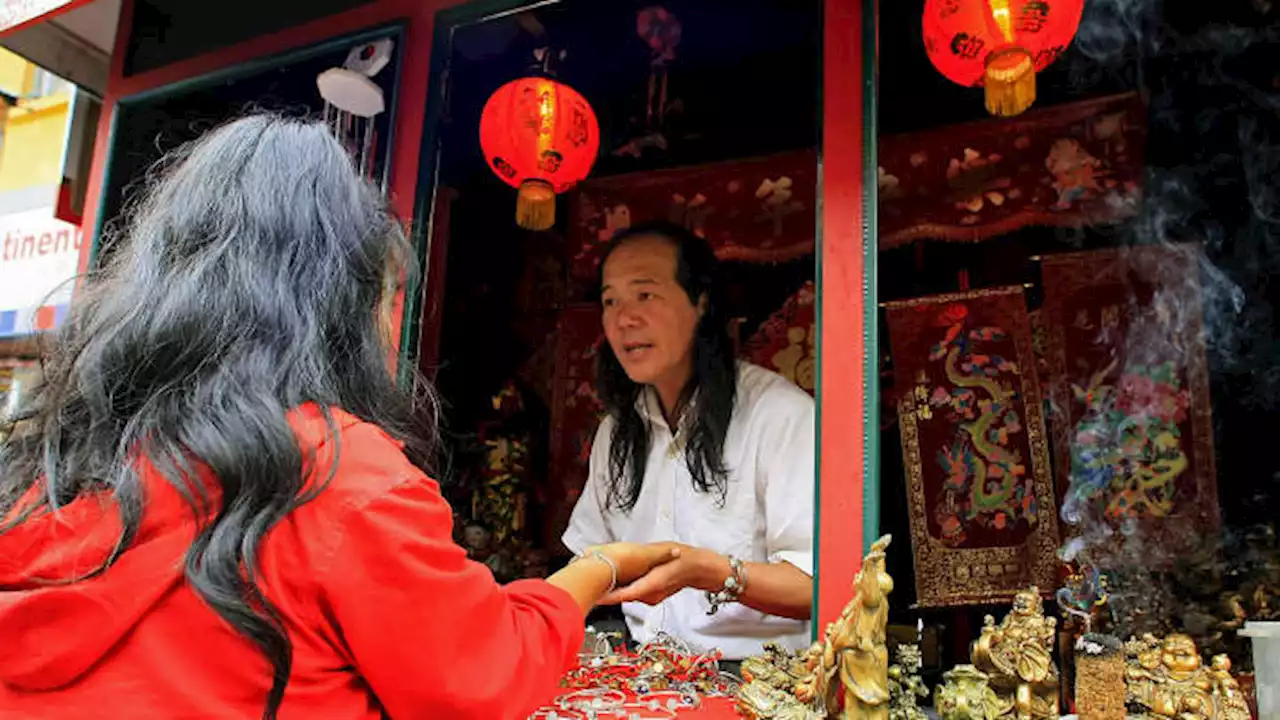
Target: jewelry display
592, 700
734, 586
636, 711
656, 681
669, 699
549, 714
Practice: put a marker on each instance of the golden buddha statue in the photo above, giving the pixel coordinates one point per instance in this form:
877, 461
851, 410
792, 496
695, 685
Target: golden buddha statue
1018, 656
1167, 679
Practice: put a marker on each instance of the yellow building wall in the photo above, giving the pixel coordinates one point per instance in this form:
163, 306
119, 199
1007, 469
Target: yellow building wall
15, 73
33, 132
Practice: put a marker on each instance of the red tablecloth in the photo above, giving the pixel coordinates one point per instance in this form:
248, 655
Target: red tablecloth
712, 709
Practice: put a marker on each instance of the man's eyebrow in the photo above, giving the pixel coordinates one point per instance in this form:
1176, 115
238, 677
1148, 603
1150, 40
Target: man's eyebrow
636, 281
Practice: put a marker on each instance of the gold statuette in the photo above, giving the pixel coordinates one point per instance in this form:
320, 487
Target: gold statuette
905, 686
1168, 679
1018, 656
966, 695
851, 663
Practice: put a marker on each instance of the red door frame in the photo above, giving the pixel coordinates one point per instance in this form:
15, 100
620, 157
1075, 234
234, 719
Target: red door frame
847, 500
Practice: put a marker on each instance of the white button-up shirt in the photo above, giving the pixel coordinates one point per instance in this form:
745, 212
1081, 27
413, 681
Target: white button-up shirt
767, 515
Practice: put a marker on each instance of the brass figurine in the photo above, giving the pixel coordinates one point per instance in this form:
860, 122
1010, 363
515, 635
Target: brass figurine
1167, 679
905, 685
859, 644
761, 701
966, 695
776, 668
1018, 656
851, 663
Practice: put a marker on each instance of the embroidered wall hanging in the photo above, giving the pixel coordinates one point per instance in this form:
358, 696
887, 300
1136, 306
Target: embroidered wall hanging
759, 210
1133, 434
1070, 165
787, 342
983, 516
576, 412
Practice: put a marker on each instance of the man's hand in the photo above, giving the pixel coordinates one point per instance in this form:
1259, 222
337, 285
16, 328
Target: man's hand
691, 567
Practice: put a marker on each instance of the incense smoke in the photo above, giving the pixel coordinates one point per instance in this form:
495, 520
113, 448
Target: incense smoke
1213, 160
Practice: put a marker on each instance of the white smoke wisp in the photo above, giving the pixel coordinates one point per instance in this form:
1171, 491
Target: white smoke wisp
1212, 192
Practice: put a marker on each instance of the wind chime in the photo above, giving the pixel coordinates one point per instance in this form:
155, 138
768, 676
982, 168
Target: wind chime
352, 100
541, 137
999, 44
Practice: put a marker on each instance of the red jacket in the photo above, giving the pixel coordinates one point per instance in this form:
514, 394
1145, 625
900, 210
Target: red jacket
385, 612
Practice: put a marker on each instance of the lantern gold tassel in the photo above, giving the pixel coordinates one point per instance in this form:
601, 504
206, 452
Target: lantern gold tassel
536, 205
1010, 82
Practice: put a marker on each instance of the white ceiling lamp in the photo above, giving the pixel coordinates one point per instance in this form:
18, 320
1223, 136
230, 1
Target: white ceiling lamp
352, 99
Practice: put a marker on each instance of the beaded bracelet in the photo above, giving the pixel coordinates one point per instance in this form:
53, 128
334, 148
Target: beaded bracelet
734, 586
593, 701
669, 699
556, 714
636, 711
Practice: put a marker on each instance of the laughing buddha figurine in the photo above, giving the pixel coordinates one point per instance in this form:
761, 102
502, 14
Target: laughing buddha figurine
1018, 655
1168, 680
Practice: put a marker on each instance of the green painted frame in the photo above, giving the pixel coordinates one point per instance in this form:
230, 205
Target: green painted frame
870, 288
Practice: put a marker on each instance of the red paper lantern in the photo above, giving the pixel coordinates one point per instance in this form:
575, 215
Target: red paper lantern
999, 44
541, 137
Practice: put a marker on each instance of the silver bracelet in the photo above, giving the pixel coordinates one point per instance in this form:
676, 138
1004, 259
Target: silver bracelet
734, 586
613, 567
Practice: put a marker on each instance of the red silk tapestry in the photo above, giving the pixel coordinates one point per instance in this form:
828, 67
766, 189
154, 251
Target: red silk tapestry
787, 341
1070, 165
761, 210
1133, 435
576, 411
983, 516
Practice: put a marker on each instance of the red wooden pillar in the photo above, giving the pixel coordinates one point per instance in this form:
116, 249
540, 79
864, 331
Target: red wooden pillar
848, 380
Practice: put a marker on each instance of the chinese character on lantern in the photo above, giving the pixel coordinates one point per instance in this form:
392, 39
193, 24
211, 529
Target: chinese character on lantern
541, 137
999, 44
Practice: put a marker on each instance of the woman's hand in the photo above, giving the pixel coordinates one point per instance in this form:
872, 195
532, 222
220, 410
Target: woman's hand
635, 560
689, 567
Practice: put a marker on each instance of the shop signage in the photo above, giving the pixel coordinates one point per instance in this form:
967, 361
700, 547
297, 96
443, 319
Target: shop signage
39, 257
20, 12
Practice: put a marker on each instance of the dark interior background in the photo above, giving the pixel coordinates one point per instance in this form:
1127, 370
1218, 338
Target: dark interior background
166, 31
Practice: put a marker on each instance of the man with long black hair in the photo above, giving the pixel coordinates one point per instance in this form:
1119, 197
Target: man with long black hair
699, 450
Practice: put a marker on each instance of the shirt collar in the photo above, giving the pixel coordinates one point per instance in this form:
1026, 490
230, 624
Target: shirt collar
650, 408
